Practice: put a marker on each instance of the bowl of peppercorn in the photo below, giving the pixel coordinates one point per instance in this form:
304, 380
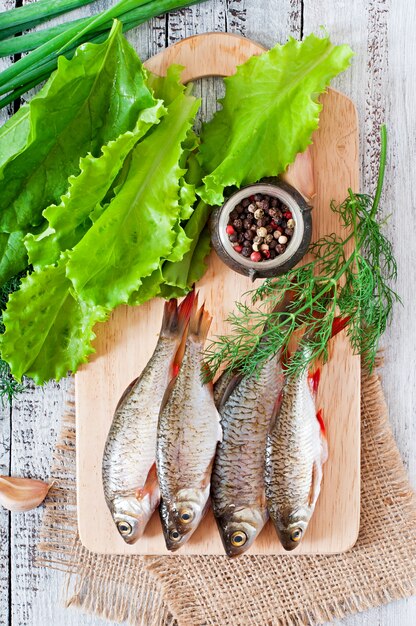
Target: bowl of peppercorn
262, 230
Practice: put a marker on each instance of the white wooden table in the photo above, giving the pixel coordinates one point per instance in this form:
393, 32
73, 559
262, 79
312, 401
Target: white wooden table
382, 82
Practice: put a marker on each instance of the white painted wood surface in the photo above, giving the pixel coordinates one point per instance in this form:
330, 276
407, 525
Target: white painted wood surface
382, 82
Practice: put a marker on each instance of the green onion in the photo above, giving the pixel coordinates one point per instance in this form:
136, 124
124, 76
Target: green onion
30, 15
35, 67
30, 41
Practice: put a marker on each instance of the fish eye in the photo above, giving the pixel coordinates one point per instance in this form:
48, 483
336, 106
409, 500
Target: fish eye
238, 538
296, 534
174, 535
124, 528
186, 515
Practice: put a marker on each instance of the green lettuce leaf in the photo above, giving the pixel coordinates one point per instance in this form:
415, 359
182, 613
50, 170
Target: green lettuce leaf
177, 274
169, 87
13, 256
48, 330
80, 206
268, 114
137, 229
89, 101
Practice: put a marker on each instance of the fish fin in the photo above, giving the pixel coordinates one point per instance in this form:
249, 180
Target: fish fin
150, 484
315, 484
175, 318
234, 382
276, 410
319, 417
339, 324
176, 365
314, 380
167, 393
285, 358
199, 324
324, 441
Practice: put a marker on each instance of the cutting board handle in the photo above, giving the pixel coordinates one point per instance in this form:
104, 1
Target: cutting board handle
219, 54
210, 54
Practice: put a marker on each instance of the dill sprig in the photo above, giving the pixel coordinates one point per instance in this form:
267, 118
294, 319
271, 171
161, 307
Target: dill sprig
338, 288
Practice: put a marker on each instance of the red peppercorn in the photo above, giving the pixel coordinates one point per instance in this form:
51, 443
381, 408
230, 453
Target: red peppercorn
273, 224
238, 248
251, 198
255, 256
287, 215
266, 254
230, 230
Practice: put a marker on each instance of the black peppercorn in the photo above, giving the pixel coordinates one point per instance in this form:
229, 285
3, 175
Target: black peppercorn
233, 215
280, 248
238, 224
233, 238
258, 197
247, 223
245, 202
246, 251
240, 237
249, 235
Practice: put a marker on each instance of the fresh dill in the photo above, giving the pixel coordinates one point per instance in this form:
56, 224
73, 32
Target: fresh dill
338, 284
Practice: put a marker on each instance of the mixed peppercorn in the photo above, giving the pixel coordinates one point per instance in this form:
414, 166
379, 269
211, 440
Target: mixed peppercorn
260, 227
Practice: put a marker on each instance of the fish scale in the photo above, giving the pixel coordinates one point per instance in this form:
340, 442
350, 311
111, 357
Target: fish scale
133, 432
295, 452
188, 432
237, 490
128, 467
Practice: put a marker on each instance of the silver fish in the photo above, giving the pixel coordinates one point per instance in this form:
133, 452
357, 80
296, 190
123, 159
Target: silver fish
129, 473
237, 490
296, 450
188, 432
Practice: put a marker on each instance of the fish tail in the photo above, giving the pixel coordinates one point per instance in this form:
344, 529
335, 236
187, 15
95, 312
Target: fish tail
339, 324
200, 323
314, 380
175, 318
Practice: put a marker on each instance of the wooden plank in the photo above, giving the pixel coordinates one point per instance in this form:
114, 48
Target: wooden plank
100, 384
5, 113
348, 23
381, 82
36, 416
5, 425
5, 421
207, 17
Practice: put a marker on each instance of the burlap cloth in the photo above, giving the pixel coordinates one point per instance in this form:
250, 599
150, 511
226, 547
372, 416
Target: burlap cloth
258, 591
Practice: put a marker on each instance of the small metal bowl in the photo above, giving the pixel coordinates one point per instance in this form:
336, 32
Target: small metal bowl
298, 246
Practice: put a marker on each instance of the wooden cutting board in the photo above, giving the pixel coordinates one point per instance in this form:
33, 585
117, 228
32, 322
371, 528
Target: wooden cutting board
126, 342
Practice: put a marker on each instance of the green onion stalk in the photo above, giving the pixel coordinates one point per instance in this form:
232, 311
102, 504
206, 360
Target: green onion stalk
47, 45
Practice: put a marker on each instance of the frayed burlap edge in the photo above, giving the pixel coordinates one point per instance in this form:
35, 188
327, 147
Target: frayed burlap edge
102, 585
191, 609
195, 591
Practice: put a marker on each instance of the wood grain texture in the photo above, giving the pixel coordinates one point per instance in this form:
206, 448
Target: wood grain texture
125, 344
5, 421
382, 82
356, 22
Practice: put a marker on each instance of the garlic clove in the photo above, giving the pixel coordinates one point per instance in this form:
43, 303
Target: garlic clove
22, 494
